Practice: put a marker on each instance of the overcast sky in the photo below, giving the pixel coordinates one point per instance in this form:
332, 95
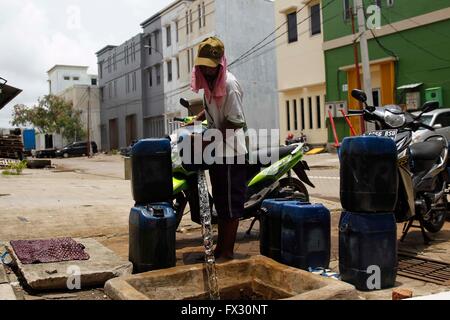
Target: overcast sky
37, 34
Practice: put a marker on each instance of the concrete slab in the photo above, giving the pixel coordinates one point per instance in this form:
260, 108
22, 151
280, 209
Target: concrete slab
103, 265
3, 276
256, 277
7, 292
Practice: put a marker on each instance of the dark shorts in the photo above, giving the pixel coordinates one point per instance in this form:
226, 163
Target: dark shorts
229, 188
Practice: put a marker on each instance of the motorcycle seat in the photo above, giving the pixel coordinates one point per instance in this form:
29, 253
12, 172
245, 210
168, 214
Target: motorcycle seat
265, 153
428, 150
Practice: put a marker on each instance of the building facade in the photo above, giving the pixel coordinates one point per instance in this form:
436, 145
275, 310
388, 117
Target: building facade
168, 47
301, 69
407, 53
86, 99
74, 84
61, 77
121, 93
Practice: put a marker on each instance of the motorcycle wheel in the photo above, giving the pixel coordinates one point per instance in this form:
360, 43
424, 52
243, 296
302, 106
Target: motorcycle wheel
291, 185
306, 148
436, 222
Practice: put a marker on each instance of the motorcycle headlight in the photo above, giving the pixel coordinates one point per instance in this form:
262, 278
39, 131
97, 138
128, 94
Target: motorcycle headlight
394, 120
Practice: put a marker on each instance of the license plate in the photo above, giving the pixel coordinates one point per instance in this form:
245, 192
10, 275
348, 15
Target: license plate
391, 133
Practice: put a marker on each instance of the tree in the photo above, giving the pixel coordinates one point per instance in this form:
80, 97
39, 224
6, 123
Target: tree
52, 114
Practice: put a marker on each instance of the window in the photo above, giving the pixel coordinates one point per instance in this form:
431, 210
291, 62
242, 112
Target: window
115, 61
169, 71
66, 78
295, 115
110, 90
133, 81
169, 35
292, 27
156, 39
176, 31
316, 27
187, 22
100, 69
189, 60
127, 84
158, 74
310, 113
443, 119
288, 116
134, 51
319, 112
199, 16
178, 68
115, 88
204, 13
150, 77
378, 3
93, 82
76, 78
109, 64
150, 44
102, 93
302, 112
191, 21
390, 3
347, 10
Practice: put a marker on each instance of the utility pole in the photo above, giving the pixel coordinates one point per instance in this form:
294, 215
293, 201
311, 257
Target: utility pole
358, 76
89, 123
364, 51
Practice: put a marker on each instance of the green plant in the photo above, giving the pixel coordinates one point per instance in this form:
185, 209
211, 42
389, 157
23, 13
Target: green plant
15, 169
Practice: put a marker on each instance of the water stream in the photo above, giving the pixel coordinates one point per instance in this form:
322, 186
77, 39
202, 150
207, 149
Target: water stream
207, 233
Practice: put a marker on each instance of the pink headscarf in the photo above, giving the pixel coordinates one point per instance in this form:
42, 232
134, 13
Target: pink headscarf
220, 85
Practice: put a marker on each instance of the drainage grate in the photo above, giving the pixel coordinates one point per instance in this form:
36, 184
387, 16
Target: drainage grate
424, 269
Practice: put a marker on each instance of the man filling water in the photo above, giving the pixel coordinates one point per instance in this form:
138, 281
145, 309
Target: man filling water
224, 111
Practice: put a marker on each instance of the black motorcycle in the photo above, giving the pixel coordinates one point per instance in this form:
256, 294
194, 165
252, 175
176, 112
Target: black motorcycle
422, 166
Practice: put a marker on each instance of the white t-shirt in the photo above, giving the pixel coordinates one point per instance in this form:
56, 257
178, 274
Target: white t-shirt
231, 111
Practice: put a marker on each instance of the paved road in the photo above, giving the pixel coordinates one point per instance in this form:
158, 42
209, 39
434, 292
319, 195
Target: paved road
325, 176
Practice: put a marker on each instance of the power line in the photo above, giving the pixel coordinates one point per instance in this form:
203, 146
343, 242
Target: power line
268, 36
266, 44
299, 34
419, 24
413, 43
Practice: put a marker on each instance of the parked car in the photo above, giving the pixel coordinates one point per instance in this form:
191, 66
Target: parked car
47, 153
439, 119
76, 149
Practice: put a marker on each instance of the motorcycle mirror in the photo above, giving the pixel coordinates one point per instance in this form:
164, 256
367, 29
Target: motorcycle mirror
430, 106
185, 103
359, 95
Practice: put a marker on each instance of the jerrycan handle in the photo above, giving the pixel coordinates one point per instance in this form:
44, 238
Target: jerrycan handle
158, 212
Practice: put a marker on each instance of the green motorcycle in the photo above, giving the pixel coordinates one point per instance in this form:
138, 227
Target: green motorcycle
265, 181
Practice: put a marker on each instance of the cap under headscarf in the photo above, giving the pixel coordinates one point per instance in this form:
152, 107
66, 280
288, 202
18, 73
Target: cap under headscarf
211, 53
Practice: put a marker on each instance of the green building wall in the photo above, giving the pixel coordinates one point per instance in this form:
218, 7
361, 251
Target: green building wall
423, 52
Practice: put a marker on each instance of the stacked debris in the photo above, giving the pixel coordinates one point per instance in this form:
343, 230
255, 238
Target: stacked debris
11, 147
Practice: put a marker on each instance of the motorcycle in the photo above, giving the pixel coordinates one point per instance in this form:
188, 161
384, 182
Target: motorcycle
264, 181
302, 139
422, 166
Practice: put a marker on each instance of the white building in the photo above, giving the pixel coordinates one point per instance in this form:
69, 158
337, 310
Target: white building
75, 85
61, 77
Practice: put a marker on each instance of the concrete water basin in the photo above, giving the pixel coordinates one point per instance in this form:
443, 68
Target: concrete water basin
256, 278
